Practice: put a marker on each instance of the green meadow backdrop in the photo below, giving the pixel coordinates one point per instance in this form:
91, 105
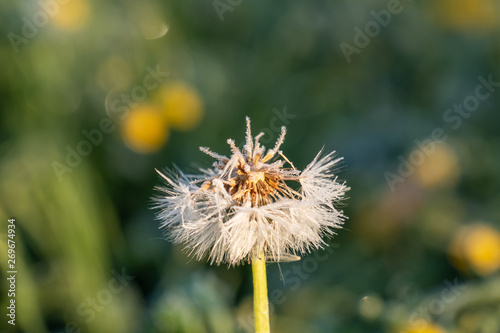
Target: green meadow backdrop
95, 95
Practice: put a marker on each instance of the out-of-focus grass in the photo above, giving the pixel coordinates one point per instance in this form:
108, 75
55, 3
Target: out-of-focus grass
66, 234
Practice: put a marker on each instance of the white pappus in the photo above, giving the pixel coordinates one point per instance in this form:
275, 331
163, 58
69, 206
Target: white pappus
244, 204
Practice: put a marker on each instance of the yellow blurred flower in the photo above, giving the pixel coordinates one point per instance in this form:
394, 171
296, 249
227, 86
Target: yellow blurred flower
481, 15
145, 129
476, 247
429, 328
439, 169
381, 221
181, 106
72, 14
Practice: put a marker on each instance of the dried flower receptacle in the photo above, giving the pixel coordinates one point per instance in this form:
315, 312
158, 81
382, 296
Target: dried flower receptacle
251, 179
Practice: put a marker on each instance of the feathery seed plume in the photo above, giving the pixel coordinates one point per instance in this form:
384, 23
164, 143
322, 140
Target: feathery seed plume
244, 204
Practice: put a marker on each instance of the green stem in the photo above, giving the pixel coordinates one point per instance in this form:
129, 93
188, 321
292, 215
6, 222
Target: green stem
260, 302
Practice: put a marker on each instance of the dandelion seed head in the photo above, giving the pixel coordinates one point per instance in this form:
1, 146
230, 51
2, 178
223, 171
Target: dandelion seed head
245, 205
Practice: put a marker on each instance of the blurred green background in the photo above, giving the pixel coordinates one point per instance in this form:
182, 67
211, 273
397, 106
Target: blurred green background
95, 95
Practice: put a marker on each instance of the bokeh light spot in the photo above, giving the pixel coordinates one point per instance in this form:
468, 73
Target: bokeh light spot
155, 29
145, 130
181, 106
474, 15
370, 307
439, 169
476, 247
72, 15
147, 15
424, 328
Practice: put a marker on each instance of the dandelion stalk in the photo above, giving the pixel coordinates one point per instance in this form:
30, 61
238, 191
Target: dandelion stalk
260, 302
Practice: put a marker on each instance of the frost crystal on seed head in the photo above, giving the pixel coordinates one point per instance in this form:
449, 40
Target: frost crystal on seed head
244, 205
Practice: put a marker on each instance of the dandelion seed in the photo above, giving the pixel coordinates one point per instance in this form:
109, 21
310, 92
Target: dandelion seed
246, 204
